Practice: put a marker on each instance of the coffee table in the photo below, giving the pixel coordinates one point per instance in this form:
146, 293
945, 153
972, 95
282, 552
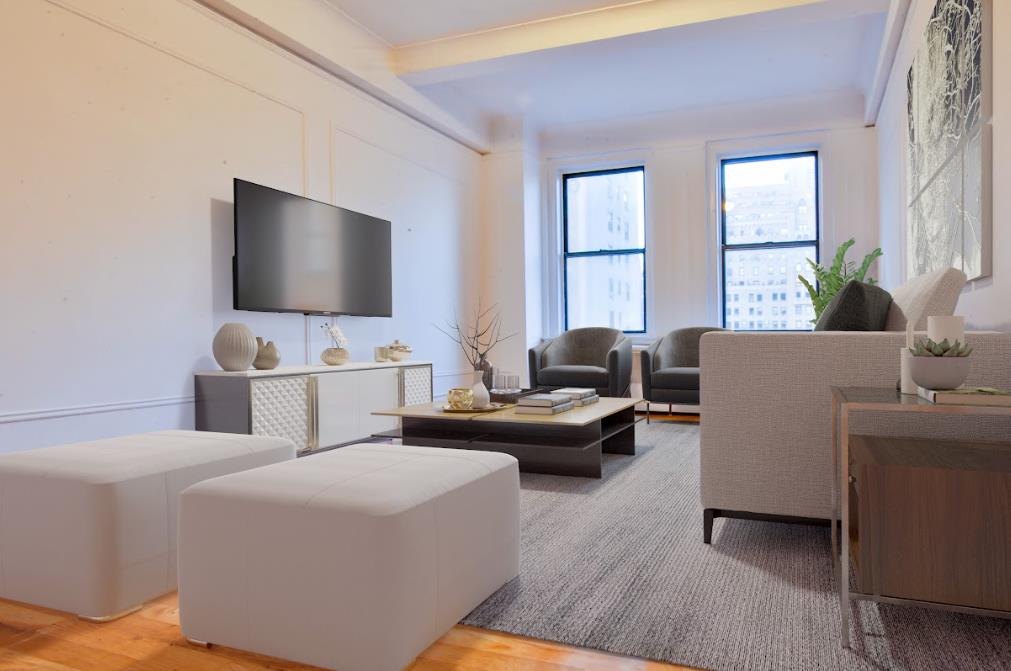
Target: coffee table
569, 443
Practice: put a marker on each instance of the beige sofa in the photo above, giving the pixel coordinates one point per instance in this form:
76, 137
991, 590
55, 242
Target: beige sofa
766, 447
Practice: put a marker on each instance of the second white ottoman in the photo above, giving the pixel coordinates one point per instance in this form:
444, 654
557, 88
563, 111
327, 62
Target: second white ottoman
356, 559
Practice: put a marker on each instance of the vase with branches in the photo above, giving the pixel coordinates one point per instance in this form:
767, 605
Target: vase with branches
478, 338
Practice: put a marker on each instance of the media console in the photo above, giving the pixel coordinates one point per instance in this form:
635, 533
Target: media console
313, 406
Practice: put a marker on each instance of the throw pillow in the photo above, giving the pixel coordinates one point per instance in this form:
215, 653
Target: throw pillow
857, 307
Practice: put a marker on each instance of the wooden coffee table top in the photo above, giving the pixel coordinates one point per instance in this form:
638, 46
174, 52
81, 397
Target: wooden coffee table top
580, 416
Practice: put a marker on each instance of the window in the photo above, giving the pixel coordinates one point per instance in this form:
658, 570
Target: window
769, 207
604, 226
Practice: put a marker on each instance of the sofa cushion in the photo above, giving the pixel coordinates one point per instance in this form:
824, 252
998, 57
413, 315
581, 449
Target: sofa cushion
675, 378
573, 376
925, 296
856, 307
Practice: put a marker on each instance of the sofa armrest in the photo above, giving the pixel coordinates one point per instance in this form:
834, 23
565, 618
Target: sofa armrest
534, 359
766, 405
619, 367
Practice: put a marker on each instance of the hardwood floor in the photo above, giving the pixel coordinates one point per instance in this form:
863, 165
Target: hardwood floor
35, 639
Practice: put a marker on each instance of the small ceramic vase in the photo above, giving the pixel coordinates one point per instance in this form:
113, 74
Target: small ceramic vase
481, 396
234, 347
267, 356
335, 356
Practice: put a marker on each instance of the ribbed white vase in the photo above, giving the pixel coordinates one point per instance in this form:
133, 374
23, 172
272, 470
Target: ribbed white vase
234, 347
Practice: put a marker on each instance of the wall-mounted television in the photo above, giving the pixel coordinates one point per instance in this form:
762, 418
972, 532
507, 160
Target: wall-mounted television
293, 254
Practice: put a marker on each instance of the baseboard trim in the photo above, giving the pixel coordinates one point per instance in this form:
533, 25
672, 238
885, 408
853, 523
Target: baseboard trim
93, 409
711, 514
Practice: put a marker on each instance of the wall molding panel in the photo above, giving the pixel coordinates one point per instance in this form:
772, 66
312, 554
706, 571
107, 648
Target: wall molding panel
121, 191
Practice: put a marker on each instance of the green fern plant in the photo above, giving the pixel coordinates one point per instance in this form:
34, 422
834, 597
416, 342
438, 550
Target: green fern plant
830, 280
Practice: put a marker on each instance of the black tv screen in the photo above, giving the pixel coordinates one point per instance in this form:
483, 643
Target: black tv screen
293, 254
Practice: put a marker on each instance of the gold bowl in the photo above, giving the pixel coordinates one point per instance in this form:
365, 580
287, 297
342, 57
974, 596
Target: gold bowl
460, 398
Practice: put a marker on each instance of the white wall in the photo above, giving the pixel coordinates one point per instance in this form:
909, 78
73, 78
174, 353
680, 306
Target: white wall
681, 154
124, 124
510, 263
984, 302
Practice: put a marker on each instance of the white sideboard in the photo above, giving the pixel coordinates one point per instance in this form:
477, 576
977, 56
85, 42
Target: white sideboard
313, 406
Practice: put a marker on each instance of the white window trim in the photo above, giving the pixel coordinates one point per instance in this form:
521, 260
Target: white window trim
552, 300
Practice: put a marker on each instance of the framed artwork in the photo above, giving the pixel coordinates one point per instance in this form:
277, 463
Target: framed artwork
949, 217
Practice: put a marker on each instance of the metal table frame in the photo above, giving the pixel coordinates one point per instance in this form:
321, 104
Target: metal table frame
846, 400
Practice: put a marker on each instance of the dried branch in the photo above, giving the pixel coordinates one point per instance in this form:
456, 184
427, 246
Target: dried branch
480, 338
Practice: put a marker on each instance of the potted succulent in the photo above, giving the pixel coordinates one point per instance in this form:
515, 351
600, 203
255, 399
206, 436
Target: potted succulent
338, 353
939, 365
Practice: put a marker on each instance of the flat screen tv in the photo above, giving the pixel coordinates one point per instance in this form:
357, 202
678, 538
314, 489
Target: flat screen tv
293, 254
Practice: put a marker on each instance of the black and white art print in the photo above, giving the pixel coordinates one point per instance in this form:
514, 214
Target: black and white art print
949, 174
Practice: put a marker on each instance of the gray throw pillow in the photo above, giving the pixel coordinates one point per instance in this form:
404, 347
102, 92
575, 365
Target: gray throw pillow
857, 307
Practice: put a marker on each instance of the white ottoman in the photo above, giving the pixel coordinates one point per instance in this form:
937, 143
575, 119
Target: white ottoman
356, 559
90, 528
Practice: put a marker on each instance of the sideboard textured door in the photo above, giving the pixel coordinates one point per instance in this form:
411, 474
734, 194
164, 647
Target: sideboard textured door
282, 407
416, 385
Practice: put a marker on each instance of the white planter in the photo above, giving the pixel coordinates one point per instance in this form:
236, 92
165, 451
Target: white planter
939, 372
234, 347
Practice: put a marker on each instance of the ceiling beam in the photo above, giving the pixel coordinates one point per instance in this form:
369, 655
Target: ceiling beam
894, 25
321, 35
412, 61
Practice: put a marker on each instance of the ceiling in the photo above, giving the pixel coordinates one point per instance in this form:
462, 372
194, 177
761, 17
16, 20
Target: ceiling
559, 62
400, 22
694, 66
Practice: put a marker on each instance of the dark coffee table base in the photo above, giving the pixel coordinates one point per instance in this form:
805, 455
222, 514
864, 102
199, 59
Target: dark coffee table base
554, 449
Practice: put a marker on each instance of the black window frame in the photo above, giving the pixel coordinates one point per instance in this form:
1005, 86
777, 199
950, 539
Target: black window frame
627, 251
724, 246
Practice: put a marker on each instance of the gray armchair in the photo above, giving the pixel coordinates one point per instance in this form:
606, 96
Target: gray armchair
588, 357
670, 367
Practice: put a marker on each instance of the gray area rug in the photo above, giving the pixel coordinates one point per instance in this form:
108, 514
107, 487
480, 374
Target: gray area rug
618, 564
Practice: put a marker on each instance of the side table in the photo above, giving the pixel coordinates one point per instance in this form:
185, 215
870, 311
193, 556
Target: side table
845, 401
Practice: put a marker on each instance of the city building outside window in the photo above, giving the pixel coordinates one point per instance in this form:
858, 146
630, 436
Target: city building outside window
769, 223
604, 230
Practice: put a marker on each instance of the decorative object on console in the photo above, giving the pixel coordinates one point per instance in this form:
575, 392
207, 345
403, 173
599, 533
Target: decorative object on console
479, 340
832, 279
940, 365
949, 170
460, 398
267, 356
234, 347
338, 354
398, 351
382, 354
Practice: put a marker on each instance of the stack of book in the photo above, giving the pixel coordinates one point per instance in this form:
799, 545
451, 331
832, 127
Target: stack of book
544, 404
580, 395
968, 396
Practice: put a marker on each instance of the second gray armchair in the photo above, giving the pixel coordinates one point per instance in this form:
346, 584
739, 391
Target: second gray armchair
670, 367
588, 357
